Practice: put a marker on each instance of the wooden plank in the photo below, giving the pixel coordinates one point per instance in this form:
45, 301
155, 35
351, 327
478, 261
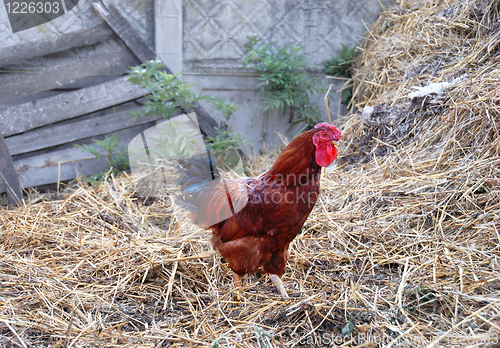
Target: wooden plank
87, 82
111, 64
206, 122
38, 48
110, 14
65, 164
9, 176
64, 171
24, 117
60, 134
22, 99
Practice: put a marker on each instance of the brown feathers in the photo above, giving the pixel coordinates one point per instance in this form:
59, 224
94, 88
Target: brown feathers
256, 219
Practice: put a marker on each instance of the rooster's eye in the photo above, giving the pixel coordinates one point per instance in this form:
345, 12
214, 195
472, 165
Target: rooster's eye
323, 134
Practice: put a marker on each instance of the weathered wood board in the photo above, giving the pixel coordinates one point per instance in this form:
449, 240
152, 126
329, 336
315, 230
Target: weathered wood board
111, 64
83, 37
110, 14
24, 117
65, 163
8, 176
60, 134
40, 127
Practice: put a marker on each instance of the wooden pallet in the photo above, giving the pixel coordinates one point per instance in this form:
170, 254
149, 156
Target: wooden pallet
46, 112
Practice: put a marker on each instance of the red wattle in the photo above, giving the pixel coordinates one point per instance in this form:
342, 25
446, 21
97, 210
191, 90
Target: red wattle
325, 155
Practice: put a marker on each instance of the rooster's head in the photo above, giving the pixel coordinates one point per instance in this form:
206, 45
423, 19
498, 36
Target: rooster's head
325, 139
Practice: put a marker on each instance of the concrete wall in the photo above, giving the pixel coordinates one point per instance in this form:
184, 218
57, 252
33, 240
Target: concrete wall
213, 40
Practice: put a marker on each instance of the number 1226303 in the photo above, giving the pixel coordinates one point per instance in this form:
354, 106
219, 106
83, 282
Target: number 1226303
32, 7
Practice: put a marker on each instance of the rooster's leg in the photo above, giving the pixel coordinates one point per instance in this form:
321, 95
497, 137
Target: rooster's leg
279, 285
237, 286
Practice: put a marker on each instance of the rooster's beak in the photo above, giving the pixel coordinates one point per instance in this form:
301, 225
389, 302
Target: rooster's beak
334, 143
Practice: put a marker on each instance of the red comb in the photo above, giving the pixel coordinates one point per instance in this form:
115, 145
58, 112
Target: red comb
336, 132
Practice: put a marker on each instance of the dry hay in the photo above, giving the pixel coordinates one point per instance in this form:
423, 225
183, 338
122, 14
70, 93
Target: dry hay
401, 250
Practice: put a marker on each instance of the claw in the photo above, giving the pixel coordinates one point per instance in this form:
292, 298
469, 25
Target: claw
279, 285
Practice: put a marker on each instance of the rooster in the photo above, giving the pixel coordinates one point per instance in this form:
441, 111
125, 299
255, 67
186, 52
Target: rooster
254, 220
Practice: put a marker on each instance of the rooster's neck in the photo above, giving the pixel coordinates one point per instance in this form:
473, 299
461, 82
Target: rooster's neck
297, 160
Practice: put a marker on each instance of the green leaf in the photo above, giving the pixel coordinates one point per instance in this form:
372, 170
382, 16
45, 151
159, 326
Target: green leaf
106, 150
283, 79
349, 328
168, 94
340, 66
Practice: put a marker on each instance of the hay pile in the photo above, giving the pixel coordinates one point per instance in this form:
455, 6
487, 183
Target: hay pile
403, 249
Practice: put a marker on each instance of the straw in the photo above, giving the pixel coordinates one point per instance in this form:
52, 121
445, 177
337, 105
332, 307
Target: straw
402, 249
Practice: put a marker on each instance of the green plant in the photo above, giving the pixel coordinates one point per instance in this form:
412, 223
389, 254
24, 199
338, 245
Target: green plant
176, 140
264, 338
168, 94
217, 343
348, 328
341, 66
284, 80
110, 153
227, 143
225, 107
